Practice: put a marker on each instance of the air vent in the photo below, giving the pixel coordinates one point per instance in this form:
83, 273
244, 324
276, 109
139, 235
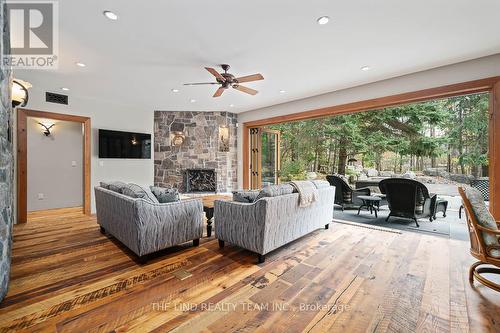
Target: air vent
56, 98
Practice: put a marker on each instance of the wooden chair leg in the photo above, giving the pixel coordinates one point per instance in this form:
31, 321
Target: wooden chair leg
476, 272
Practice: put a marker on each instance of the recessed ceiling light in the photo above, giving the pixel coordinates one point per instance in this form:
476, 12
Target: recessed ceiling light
175, 90
80, 64
109, 14
231, 105
365, 68
65, 89
323, 20
193, 100
282, 91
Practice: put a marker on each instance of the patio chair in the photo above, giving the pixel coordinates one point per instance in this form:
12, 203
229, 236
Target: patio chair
484, 236
345, 196
410, 199
483, 185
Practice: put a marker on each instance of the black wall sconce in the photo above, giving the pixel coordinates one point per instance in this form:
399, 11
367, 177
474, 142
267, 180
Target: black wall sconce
47, 128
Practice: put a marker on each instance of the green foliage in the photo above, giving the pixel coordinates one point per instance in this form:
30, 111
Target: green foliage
457, 127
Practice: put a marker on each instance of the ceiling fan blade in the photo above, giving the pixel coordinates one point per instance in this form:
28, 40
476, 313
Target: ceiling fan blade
250, 78
198, 84
246, 90
216, 74
219, 92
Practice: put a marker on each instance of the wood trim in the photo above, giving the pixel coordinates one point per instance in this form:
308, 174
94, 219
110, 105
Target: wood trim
491, 85
494, 150
382, 102
22, 157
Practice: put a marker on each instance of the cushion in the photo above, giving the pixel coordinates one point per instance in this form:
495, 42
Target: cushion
137, 191
115, 186
275, 190
165, 195
484, 218
245, 196
320, 183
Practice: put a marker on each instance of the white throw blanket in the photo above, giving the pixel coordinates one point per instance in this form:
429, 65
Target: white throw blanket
308, 193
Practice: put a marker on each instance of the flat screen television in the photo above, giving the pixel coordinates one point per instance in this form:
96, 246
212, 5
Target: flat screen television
116, 144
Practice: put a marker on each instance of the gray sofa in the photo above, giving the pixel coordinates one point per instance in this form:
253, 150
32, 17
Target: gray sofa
272, 221
146, 227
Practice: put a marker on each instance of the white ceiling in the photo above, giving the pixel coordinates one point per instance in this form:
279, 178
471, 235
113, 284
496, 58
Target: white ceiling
156, 46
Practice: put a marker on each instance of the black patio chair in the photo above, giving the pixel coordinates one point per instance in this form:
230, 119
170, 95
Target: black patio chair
345, 195
408, 198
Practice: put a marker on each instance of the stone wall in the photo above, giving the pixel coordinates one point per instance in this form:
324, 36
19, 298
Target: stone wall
6, 159
199, 150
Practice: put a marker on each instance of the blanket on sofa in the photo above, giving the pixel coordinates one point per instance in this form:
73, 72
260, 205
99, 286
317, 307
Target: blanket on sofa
308, 193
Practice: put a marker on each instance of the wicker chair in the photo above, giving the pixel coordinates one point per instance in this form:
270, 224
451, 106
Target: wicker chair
484, 236
345, 196
483, 185
408, 198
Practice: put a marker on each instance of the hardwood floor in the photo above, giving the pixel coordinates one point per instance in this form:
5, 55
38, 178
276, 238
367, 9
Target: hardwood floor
68, 277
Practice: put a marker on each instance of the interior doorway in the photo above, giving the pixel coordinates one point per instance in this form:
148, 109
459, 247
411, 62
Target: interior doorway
25, 120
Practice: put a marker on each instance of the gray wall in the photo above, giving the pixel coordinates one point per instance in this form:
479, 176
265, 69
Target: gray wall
6, 160
55, 165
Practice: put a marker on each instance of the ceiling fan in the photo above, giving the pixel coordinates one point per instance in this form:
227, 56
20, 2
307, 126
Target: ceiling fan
226, 80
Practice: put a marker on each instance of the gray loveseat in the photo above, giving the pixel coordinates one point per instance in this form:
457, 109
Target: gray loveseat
146, 227
272, 221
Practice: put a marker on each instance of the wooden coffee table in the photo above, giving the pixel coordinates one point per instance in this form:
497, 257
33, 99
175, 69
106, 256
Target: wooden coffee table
208, 208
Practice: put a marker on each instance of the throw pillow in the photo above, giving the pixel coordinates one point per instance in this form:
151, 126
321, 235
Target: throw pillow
483, 217
116, 186
275, 190
165, 195
137, 191
245, 196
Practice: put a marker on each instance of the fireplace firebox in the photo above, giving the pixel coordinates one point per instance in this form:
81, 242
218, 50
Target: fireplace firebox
201, 180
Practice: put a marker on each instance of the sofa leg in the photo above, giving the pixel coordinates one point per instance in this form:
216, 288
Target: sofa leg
143, 259
196, 242
221, 243
416, 222
262, 258
102, 230
387, 219
327, 226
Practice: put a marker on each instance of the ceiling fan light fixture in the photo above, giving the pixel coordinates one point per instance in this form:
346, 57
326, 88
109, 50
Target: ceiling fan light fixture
323, 20
110, 15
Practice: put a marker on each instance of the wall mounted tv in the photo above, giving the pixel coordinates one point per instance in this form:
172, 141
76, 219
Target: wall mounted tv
116, 144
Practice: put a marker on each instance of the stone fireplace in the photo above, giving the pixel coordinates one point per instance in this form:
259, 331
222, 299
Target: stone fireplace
201, 180
185, 140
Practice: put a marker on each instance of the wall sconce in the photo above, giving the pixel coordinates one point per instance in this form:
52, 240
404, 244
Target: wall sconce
177, 138
224, 138
46, 128
20, 92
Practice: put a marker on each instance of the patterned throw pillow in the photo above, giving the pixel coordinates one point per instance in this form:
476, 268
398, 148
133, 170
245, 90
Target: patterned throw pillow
137, 191
275, 190
116, 186
245, 196
165, 195
483, 217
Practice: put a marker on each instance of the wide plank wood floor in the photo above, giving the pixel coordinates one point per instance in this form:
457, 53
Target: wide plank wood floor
67, 277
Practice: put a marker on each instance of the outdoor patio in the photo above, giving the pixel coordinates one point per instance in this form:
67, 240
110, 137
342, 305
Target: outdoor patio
450, 226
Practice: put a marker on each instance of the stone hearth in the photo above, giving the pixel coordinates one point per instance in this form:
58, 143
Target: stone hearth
200, 150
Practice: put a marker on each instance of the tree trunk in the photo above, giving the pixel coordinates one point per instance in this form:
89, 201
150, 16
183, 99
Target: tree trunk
342, 158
